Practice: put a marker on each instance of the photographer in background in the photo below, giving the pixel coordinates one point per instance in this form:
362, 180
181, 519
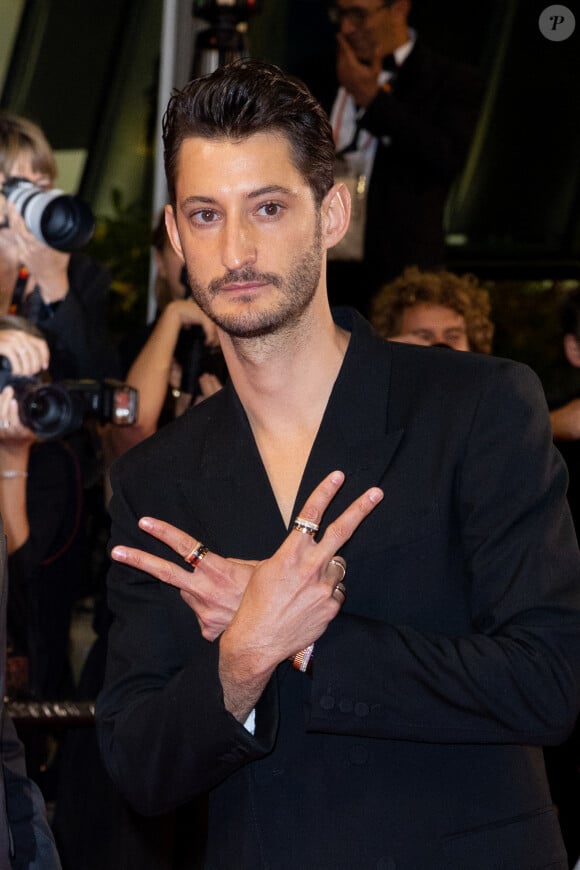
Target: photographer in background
64, 294
42, 505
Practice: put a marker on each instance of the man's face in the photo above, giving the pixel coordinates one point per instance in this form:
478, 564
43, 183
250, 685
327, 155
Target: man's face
435, 324
367, 26
249, 231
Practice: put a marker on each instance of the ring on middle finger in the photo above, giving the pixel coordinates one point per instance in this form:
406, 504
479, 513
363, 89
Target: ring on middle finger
340, 588
305, 526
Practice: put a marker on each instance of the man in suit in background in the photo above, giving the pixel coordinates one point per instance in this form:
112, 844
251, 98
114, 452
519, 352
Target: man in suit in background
404, 115
353, 680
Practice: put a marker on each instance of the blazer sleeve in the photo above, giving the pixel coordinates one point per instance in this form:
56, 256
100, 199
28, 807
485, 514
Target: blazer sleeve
513, 676
163, 729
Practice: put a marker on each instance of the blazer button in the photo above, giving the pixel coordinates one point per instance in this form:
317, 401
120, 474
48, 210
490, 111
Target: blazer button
346, 705
327, 702
361, 709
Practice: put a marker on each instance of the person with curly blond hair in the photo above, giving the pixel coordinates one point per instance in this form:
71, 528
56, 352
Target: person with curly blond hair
434, 308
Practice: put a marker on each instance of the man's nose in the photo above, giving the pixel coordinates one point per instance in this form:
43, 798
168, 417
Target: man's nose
239, 244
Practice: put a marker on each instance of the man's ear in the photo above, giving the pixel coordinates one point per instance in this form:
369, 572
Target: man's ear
572, 349
335, 215
172, 232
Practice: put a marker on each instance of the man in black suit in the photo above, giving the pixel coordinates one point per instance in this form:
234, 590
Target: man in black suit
353, 680
404, 117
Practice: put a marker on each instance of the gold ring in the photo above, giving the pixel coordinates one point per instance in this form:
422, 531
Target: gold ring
195, 555
341, 589
305, 526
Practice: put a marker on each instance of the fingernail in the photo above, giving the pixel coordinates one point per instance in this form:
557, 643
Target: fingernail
145, 523
337, 477
375, 495
119, 553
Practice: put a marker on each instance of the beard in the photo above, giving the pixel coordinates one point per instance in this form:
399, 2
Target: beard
297, 290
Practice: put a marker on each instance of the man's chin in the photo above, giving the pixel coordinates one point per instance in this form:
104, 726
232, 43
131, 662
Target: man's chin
251, 326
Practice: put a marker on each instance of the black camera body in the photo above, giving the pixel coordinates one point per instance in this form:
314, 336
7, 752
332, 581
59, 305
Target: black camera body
60, 220
53, 410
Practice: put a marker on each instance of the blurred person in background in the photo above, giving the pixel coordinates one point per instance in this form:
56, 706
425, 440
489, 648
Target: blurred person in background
64, 294
403, 118
170, 357
41, 499
434, 308
26, 841
563, 762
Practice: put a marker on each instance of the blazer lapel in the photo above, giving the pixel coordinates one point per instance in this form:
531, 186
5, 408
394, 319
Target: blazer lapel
230, 495
354, 435
229, 492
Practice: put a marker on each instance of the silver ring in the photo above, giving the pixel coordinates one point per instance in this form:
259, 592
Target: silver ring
339, 564
4, 424
305, 526
195, 555
341, 589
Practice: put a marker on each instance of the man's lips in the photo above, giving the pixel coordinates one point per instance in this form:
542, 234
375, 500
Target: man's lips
243, 286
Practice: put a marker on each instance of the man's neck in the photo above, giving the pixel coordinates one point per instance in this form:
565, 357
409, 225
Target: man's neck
284, 380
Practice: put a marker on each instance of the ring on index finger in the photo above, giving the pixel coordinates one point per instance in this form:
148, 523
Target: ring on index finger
195, 555
305, 526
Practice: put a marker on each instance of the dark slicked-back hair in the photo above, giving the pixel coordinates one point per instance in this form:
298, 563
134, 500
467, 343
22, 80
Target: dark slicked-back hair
248, 97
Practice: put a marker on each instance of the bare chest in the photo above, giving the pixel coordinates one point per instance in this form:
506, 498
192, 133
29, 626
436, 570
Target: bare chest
285, 461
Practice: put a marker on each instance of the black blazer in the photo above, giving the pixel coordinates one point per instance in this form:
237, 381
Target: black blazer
417, 743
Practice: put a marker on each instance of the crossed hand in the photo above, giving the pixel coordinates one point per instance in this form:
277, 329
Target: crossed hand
271, 608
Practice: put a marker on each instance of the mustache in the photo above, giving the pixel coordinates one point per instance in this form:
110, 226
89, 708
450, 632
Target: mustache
245, 275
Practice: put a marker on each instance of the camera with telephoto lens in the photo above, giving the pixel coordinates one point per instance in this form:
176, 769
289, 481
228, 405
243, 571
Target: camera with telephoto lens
53, 410
58, 219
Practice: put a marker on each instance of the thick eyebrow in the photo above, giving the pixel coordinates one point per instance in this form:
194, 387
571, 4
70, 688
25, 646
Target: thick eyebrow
253, 194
